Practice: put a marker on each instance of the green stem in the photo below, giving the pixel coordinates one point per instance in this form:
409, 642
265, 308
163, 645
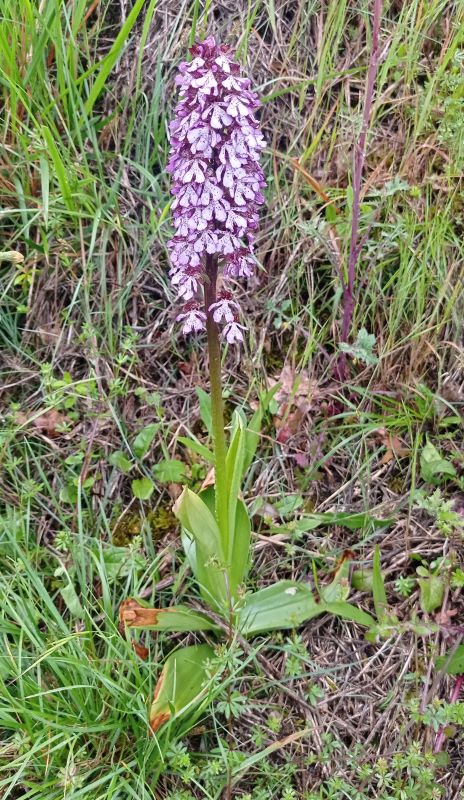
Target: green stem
219, 438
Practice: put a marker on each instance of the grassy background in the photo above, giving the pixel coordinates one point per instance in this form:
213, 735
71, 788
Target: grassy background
89, 357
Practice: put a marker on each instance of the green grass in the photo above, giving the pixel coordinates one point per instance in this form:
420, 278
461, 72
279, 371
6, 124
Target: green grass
87, 335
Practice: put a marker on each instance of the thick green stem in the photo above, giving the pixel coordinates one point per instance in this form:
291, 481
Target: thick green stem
219, 437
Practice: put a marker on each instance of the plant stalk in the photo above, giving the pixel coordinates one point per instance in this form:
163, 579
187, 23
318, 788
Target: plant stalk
217, 412
358, 165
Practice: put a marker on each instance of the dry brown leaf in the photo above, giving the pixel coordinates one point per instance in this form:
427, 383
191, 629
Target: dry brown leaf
209, 480
395, 447
445, 617
140, 650
294, 385
291, 424
133, 615
295, 397
46, 423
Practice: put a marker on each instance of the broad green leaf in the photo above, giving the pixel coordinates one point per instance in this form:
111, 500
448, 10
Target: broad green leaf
240, 551
197, 447
452, 663
286, 604
433, 466
183, 683
142, 488
207, 559
378, 588
120, 461
351, 521
136, 614
169, 471
432, 590
205, 409
143, 440
348, 611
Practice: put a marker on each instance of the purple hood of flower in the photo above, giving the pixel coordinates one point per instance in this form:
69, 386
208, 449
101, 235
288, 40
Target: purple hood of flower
216, 182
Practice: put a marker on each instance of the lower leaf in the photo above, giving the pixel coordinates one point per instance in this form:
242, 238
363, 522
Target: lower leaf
135, 614
181, 685
286, 604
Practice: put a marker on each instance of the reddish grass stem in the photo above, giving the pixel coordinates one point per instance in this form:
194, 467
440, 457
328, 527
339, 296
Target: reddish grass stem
359, 158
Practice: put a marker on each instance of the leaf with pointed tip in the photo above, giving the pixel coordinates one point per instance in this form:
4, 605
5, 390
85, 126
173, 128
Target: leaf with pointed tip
183, 683
285, 604
136, 614
254, 427
433, 465
344, 518
207, 558
348, 611
196, 447
240, 549
144, 439
205, 409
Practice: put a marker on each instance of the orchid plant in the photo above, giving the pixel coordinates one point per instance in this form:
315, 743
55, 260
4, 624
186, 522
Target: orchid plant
217, 185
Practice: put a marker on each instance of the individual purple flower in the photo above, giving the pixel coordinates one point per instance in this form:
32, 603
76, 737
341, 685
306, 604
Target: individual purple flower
217, 184
193, 318
233, 332
225, 308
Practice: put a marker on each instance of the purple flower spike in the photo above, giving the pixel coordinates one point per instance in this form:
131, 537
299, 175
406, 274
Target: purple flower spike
217, 183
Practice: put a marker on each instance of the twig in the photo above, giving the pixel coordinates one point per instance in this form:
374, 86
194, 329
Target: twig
358, 165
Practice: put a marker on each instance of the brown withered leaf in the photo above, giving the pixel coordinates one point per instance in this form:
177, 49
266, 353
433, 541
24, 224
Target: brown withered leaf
395, 447
209, 479
297, 385
291, 424
445, 617
133, 615
49, 423
295, 396
140, 650
156, 720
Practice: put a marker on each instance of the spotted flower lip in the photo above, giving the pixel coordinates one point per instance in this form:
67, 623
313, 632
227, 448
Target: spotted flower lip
192, 318
233, 332
225, 308
217, 183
